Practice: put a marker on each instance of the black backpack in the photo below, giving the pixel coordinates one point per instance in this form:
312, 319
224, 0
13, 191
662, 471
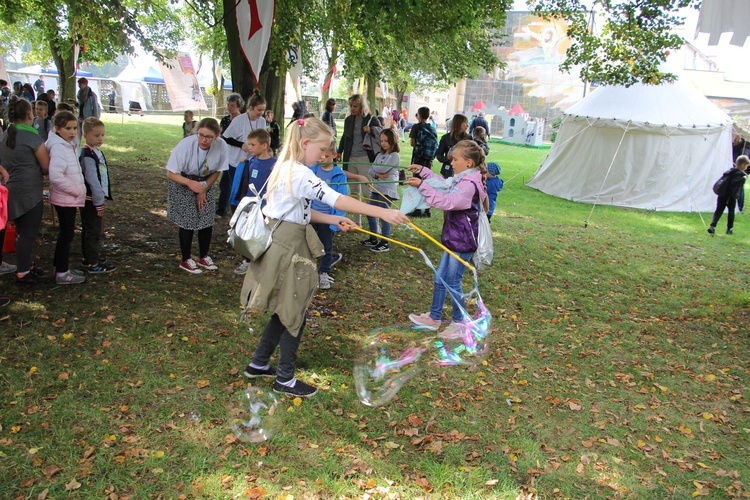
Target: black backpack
722, 185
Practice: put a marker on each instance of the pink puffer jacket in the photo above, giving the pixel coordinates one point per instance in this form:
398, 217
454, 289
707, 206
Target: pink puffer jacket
66, 185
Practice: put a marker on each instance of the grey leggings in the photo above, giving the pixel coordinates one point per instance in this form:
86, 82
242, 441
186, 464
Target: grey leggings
27, 229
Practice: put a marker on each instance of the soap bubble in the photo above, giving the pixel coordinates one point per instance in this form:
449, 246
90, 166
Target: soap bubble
465, 342
255, 417
386, 361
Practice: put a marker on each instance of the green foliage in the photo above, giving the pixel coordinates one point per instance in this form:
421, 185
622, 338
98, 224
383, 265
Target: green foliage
102, 30
633, 42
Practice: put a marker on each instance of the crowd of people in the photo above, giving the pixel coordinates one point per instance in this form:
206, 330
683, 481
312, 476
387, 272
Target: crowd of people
305, 186
65, 148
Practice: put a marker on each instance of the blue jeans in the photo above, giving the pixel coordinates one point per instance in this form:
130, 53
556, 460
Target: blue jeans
325, 234
452, 272
379, 201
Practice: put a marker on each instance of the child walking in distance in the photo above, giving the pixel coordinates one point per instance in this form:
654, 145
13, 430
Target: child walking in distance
336, 178
460, 204
730, 193
494, 185
384, 168
273, 129
283, 280
96, 176
67, 192
254, 170
193, 169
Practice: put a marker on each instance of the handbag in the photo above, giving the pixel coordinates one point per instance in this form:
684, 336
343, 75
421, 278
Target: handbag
248, 233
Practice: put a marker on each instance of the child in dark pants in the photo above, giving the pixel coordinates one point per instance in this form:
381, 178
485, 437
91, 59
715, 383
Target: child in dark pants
727, 197
96, 175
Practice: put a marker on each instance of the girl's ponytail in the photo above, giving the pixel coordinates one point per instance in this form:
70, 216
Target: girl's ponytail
18, 109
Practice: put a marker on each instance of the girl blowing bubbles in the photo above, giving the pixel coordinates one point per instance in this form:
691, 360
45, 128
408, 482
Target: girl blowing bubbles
460, 205
284, 279
67, 191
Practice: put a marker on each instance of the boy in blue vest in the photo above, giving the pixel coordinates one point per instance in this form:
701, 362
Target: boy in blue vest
96, 175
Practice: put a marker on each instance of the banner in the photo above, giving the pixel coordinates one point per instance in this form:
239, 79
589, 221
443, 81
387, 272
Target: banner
328, 82
295, 69
4, 73
254, 22
181, 83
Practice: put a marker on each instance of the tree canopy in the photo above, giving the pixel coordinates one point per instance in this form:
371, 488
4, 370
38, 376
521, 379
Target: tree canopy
101, 30
633, 42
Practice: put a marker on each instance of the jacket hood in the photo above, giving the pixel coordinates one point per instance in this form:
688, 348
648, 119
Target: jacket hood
54, 140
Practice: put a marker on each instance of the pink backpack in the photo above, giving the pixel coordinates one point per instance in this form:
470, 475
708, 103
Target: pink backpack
3, 207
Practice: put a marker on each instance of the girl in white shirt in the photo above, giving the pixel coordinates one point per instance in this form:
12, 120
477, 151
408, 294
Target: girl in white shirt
285, 278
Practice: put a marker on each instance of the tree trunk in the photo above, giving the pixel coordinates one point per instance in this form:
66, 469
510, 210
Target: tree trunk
371, 82
273, 86
242, 75
66, 70
400, 91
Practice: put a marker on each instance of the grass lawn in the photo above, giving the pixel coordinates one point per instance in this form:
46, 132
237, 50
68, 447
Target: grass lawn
618, 364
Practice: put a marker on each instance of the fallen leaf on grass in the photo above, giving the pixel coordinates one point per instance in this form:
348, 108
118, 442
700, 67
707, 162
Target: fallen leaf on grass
575, 406
72, 485
43, 494
51, 470
491, 482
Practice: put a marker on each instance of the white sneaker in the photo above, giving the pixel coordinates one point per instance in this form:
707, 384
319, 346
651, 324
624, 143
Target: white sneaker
325, 281
6, 268
242, 268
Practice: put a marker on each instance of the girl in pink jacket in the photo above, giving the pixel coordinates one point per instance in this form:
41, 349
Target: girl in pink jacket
67, 191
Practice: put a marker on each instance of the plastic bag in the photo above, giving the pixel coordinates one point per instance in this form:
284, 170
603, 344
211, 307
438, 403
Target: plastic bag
485, 246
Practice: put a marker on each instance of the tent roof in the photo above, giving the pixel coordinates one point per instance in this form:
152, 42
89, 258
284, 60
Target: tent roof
672, 104
516, 110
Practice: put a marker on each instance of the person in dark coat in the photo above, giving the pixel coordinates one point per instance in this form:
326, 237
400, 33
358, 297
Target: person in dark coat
732, 186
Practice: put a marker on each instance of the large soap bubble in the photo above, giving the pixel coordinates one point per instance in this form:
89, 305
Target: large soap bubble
386, 361
465, 342
255, 417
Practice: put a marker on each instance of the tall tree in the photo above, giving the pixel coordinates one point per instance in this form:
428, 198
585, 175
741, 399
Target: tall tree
205, 21
99, 31
633, 42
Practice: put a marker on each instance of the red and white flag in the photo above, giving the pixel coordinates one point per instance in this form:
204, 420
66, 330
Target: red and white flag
254, 21
328, 82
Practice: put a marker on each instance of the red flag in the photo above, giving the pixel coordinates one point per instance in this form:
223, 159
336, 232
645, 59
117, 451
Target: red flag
254, 21
328, 82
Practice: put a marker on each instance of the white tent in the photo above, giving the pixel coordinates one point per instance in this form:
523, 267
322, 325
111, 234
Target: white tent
657, 147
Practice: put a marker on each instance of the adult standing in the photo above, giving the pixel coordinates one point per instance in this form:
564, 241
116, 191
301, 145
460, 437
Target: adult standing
459, 126
88, 103
235, 106
327, 116
51, 104
479, 121
235, 136
361, 133
25, 157
39, 85
193, 168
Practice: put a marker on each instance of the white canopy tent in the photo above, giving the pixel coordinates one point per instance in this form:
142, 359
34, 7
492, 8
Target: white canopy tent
657, 147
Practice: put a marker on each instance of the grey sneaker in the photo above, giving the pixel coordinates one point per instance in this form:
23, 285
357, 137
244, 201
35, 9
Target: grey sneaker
242, 268
6, 268
325, 281
69, 278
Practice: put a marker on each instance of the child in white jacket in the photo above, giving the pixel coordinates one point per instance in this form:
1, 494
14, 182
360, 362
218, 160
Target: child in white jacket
67, 191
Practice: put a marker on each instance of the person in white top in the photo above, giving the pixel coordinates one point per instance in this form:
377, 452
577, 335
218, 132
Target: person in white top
193, 168
283, 280
235, 136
